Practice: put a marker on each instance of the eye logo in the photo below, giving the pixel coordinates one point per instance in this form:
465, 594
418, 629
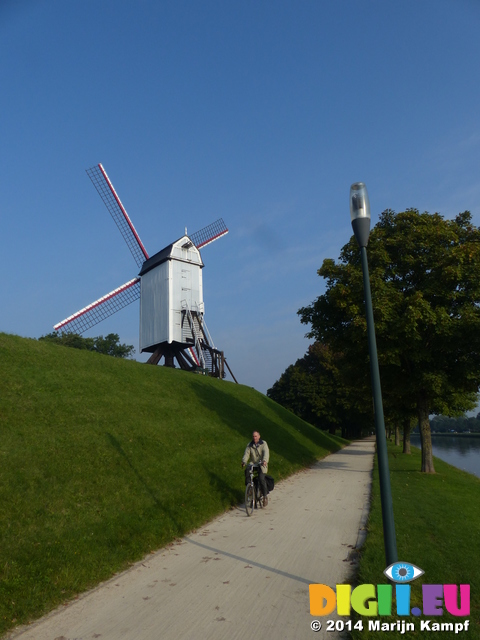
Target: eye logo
402, 572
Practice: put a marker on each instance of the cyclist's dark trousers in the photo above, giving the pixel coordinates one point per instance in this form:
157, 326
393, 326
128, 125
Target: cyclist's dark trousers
261, 480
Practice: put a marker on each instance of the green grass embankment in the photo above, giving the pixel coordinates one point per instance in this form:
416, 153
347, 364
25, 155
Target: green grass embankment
103, 460
437, 522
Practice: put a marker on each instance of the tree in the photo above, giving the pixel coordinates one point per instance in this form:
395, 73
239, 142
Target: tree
307, 388
73, 340
315, 390
444, 424
425, 280
110, 345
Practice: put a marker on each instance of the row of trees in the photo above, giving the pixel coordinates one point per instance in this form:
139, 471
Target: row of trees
425, 280
444, 424
314, 389
110, 345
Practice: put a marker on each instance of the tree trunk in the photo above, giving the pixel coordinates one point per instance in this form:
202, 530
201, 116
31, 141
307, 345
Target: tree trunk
397, 435
425, 435
406, 435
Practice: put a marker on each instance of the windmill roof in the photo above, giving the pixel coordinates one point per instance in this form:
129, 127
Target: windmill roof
164, 255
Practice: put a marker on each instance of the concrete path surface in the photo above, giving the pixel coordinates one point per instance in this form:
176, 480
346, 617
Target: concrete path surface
237, 577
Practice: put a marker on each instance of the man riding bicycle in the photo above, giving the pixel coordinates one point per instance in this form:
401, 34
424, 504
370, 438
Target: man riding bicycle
257, 452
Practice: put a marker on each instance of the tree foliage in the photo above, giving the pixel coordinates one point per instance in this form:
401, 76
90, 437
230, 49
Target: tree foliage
314, 388
445, 424
110, 345
306, 387
425, 281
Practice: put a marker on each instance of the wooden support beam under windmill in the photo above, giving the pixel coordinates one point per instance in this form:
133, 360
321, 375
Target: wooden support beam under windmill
182, 361
156, 356
231, 373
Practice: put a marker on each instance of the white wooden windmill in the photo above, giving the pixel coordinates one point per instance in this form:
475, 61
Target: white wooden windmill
170, 289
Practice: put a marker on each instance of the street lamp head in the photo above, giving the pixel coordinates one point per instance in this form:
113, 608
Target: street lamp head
359, 203
360, 212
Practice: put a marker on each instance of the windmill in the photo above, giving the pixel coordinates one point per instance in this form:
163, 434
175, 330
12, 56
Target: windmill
170, 288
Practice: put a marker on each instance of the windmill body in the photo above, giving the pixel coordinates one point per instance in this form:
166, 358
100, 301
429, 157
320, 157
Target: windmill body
170, 289
171, 283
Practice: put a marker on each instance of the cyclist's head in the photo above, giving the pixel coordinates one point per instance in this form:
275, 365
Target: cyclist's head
256, 436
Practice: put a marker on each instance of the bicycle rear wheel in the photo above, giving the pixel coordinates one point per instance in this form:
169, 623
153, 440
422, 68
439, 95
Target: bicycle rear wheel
249, 499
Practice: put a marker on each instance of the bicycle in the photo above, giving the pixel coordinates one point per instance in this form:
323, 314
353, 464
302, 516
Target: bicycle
253, 493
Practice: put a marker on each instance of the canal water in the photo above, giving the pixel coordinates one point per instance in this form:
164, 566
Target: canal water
462, 452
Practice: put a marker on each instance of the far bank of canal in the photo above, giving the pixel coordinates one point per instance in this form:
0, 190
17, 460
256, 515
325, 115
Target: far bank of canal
461, 451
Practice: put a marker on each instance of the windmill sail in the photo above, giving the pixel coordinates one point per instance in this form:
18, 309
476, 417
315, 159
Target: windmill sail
118, 212
209, 234
102, 308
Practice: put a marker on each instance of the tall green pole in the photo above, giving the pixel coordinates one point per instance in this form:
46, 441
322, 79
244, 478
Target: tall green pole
382, 455
360, 214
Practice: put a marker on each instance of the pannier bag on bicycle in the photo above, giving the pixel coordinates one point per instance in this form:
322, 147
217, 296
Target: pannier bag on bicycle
270, 483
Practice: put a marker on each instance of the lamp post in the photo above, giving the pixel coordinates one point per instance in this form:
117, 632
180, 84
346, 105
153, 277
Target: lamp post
360, 214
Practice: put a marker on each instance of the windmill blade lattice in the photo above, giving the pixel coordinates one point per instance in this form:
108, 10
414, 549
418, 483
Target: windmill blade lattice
209, 234
102, 308
118, 212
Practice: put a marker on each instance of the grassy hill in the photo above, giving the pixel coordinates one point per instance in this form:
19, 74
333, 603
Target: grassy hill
103, 460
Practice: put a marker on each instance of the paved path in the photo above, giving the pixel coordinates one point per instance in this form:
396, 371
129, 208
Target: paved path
237, 577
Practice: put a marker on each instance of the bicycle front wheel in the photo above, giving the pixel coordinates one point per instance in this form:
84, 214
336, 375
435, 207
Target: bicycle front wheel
249, 499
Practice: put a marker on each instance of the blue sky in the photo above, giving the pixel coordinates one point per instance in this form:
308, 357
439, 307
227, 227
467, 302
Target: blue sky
260, 112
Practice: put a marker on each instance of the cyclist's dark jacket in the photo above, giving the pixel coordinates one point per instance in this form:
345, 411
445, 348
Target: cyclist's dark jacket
257, 453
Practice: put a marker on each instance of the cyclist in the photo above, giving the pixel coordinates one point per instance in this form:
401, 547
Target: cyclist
257, 451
